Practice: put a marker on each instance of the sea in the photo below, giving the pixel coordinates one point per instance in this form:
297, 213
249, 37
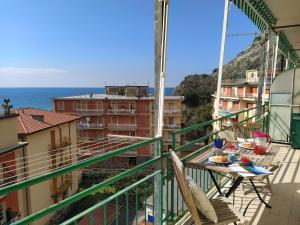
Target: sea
42, 97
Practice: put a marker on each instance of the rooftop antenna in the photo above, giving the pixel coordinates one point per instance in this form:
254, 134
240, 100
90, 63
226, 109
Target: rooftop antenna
6, 106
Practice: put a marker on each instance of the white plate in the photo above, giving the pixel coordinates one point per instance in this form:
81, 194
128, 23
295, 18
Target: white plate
211, 159
235, 151
242, 145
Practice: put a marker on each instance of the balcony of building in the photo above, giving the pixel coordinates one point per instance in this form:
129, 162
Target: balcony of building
171, 126
83, 126
172, 111
122, 127
89, 111
122, 111
242, 81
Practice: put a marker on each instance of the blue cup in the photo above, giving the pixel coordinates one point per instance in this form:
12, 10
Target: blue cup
219, 143
232, 157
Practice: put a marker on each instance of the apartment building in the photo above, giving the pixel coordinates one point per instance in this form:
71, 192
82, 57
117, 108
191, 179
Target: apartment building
11, 150
52, 140
122, 110
241, 93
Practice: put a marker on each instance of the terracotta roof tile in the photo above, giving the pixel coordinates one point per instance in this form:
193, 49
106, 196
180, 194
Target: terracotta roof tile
26, 124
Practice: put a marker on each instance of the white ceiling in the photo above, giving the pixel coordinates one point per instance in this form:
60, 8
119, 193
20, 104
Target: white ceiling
287, 12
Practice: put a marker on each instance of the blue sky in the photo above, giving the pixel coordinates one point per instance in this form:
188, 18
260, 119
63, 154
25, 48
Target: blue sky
85, 43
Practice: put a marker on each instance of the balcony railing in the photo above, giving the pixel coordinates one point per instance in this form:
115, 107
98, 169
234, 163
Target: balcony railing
122, 111
242, 81
132, 199
171, 126
87, 111
172, 111
82, 126
122, 127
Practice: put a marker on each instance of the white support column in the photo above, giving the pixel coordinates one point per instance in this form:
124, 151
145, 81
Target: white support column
221, 61
162, 69
161, 33
287, 60
275, 57
266, 71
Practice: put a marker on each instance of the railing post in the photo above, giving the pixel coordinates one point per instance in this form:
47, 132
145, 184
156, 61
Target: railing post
221, 61
160, 200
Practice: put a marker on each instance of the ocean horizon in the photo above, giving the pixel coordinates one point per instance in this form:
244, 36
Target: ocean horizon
40, 97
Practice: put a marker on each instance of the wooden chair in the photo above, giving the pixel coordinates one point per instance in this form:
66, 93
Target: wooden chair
225, 212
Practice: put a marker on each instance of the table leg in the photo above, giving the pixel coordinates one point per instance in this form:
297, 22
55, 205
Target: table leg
258, 195
234, 186
215, 182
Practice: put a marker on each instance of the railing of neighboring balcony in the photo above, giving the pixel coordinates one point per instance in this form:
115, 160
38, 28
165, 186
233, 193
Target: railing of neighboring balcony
121, 126
243, 80
172, 111
122, 111
93, 111
81, 126
171, 126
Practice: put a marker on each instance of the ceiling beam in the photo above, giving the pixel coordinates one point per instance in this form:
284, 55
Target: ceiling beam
287, 26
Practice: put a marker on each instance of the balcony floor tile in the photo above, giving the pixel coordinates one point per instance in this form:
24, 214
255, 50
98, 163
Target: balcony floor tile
285, 200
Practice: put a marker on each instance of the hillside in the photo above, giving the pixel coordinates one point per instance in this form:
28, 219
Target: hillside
198, 88
245, 60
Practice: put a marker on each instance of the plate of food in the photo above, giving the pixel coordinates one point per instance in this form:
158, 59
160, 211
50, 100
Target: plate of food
222, 159
247, 145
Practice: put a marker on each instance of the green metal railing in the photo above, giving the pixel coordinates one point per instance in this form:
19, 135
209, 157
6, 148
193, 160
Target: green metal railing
138, 185
133, 203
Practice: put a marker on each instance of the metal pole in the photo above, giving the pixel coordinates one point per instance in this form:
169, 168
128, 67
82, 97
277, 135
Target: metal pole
287, 59
221, 62
266, 72
261, 73
161, 34
275, 57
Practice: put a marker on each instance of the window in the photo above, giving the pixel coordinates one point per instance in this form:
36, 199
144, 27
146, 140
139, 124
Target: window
132, 133
171, 106
132, 106
170, 135
171, 120
132, 161
99, 106
2, 213
84, 105
75, 105
99, 120
132, 120
114, 106
100, 134
114, 120
60, 105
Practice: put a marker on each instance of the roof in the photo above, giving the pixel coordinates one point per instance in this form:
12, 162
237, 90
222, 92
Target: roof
12, 147
26, 124
113, 97
281, 16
